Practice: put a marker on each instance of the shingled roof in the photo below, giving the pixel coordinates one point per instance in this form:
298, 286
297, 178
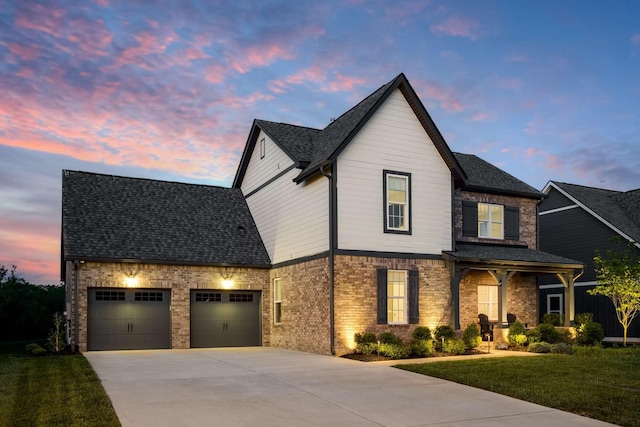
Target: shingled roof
618, 209
116, 218
514, 255
311, 148
484, 177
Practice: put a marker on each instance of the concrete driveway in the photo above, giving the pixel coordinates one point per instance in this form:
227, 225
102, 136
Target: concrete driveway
260, 386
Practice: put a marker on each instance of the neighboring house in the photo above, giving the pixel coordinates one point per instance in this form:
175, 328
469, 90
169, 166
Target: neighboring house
370, 224
575, 221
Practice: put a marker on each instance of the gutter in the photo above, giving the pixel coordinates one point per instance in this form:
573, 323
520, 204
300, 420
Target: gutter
76, 334
331, 261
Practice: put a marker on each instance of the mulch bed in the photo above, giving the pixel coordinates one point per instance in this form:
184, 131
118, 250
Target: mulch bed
377, 358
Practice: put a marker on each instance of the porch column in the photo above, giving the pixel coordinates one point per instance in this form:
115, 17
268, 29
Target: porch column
457, 274
569, 298
502, 277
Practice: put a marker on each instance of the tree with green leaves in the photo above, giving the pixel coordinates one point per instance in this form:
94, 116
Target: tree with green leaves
618, 275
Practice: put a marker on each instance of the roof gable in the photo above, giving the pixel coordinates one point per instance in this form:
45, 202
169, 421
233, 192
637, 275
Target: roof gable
486, 178
617, 210
312, 148
129, 219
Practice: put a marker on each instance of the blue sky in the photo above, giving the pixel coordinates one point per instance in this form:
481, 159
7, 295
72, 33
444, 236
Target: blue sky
546, 90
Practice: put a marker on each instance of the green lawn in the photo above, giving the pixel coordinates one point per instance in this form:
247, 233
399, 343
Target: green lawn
51, 391
597, 383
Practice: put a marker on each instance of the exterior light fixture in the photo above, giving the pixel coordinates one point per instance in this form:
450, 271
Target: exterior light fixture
227, 279
131, 281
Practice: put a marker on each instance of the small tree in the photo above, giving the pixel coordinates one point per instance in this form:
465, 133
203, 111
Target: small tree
618, 275
57, 340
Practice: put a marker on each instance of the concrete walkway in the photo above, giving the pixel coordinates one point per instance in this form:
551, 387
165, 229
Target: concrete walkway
260, 386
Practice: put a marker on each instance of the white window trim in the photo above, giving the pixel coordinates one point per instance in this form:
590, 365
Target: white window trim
406, 206
277, 301
490, 221
405, 298
549, 296
262, 148
491, 303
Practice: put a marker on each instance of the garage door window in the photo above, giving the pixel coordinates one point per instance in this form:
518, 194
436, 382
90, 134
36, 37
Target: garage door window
148, 296
109, 296
240, 297
208, 297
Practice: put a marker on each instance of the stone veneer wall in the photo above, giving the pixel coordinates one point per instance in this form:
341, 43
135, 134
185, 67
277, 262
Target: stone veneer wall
355, 296
180, 279
304, 323
522, 297
528, 216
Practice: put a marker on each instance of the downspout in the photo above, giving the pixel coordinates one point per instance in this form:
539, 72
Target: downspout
331, 262
76, 334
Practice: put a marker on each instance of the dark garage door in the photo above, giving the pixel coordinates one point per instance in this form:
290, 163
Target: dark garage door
129, 319
225, 318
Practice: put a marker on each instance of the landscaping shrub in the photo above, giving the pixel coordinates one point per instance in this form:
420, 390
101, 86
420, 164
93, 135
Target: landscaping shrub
546, 333
562, 348
421, 333
444, 331
34, 349
582, 318
366, 342
539, 347
422, 347
517, 335
365, 337
552, 319
589, 333
454, 346
394, 350
471, 336
389, 338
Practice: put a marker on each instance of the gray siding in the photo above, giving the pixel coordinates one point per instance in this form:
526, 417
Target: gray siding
600, 306
574, 234
555, 200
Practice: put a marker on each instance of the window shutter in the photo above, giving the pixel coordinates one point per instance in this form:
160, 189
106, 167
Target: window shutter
469, 219
382, 296
414, 314
512, 223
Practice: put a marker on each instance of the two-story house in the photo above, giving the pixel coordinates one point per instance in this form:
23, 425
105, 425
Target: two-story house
370, 224
576, 221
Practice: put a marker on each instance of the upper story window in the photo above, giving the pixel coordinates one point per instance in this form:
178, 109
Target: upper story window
490, 221
397, 195
262, 148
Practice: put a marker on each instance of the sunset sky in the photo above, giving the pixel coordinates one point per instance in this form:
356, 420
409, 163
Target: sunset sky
546, 90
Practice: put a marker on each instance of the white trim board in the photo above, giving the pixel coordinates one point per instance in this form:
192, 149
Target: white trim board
560, 285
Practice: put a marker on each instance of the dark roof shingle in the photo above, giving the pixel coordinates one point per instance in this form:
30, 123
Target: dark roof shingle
117, 218
515, 254
483, 176
620, 209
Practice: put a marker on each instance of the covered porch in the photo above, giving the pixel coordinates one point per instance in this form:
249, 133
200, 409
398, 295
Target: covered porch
500, 265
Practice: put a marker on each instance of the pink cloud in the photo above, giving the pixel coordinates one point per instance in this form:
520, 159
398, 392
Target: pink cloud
479, 116
90, 37
518, 57
215, 74
47, 19
344, 83
259, 56
457, 27
635, 39
24, 52
445, 96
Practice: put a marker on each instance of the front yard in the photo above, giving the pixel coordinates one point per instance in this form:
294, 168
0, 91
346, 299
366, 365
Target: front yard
599, 383
51, 391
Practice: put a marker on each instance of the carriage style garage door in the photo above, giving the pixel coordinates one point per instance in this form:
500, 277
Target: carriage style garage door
225, 318
129, 319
